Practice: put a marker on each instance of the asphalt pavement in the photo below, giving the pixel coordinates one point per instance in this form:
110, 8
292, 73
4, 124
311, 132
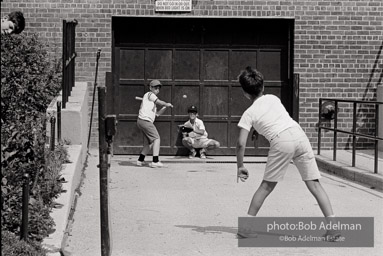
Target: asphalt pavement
192, 208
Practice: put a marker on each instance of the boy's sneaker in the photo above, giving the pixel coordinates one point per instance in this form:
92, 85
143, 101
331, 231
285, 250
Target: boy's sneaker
156, 165
192, 153
139, 163
202, 154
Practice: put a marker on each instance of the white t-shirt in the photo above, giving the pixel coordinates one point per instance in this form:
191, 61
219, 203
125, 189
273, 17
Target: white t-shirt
148, 108
268, 117
198, 123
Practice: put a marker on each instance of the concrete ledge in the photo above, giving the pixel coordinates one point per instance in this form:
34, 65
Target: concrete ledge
72, 173
363, 177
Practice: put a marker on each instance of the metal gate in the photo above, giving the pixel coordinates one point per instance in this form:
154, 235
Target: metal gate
200, 58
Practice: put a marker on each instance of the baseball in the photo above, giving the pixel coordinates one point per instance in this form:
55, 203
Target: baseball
184, 96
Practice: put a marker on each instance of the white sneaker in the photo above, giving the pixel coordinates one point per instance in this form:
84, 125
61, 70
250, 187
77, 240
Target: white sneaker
139, 163
192, 153
156, 165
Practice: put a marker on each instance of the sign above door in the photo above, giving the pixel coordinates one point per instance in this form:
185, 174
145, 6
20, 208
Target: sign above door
173, 5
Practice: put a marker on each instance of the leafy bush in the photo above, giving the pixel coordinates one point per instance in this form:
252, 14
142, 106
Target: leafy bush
11, 245
29, 82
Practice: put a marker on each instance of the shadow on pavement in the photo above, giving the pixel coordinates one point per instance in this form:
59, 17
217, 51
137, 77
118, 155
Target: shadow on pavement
211, 229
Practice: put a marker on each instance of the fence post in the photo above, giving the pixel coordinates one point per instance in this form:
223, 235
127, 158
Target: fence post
59, 121
104, 168
319, 126
335, 130
94, 93
379, 93
64, 59
25, 205
68, 59
376, 148
354, 106
53, 131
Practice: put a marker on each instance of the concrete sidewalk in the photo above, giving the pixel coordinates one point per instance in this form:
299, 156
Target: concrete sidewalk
363, 172
192, 208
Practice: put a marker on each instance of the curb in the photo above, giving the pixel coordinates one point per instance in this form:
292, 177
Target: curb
72, 174
363, 177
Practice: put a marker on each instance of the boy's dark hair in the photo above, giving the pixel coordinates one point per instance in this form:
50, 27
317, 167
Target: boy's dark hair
18, 19
251, 81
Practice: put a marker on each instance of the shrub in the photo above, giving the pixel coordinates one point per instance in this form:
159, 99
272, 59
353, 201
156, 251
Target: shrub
29, 81
11, 245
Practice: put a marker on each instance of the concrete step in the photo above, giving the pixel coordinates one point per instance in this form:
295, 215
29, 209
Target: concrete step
362, 173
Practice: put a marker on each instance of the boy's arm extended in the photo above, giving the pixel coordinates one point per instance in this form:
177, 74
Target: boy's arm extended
240, 151
161, 111
164, 104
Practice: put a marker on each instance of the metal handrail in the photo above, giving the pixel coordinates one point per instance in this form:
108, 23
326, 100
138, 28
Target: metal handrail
353, 133
68, 59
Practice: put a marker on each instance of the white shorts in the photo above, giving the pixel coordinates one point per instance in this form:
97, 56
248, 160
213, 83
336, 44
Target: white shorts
198, 143
291, 144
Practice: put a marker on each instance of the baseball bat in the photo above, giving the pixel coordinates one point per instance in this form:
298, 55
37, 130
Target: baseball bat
138, 98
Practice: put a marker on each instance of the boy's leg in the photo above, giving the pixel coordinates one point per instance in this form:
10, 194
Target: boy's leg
213, 144
147, 147
145, 150
260, 195
156, 147
209, 144
188, 143
321, 196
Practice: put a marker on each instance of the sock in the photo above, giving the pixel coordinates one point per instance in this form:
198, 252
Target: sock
155, 159
141, 158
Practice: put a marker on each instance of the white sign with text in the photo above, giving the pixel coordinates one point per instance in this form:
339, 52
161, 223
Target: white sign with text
173, 5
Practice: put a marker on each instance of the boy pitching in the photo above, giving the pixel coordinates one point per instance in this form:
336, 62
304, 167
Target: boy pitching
13, 23
287, 142
146, 117
197, 138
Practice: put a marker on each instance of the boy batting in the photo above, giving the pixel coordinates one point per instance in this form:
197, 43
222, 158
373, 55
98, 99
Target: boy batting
146, 116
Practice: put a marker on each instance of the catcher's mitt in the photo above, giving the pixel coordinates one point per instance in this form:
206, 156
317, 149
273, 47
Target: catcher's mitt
186, 129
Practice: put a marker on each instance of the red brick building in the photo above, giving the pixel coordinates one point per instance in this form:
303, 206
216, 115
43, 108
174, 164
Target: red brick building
335, 47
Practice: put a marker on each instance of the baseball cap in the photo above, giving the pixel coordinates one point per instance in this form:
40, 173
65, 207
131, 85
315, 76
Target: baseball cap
192, 109
154, 83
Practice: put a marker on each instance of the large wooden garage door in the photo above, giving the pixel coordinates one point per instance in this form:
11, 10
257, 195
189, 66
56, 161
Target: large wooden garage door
200, 58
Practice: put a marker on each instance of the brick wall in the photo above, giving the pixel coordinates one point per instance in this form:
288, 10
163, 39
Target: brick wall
338, 44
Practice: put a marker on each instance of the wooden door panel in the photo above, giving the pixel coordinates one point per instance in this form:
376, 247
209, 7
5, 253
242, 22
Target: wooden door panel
218, 131
275, 90
215, 101
239, 60
128, 105
164, 129
182, 104
215, 32
132, 64
187, 65
269, 65
238, 102
158, 64
215, 65
128, 139
188, 33
165, 95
